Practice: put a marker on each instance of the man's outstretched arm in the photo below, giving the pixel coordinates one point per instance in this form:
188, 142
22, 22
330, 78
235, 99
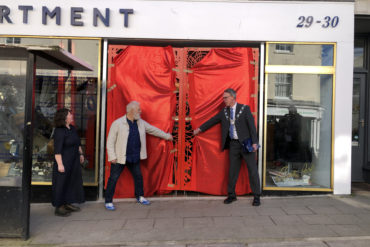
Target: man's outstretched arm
214, 120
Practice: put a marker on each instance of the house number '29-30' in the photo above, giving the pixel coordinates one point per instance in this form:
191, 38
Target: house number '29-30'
326, 22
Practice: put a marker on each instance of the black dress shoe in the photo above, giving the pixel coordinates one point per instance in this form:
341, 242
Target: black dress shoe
72, 208
256, 201
62, 211
229, 200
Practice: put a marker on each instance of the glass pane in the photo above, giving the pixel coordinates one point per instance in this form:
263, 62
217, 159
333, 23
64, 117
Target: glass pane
12, 106
75, 90
298, 137
63, 43
359, 53
297, 54
355, 111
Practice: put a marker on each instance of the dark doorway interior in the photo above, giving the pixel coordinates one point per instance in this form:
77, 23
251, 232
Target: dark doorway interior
361, 104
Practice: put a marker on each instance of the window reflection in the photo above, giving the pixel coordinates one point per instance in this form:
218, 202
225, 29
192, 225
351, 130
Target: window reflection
283, 85
298, 137
356, 111
327, 52
301, 54
12, 103
359, 53
54, 90
57, 88
284, 48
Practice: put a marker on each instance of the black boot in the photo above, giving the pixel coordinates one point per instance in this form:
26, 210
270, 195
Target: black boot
62, 211
256, 200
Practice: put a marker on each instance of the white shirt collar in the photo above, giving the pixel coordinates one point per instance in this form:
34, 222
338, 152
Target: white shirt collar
234, 109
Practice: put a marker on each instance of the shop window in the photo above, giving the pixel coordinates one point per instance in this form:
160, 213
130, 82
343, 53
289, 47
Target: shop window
283, 85
304, 54
55, 87
298, 131
12, 108
284, 48
359, 53
13, 40
75, 90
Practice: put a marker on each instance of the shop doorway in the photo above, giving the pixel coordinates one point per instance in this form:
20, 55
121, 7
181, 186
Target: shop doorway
185, 173
358, 126
361, 104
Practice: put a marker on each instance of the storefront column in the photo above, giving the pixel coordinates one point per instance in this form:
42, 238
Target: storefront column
343, 123
260, 109
103, 118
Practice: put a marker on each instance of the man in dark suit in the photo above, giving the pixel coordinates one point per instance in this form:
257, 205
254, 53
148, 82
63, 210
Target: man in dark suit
237, 125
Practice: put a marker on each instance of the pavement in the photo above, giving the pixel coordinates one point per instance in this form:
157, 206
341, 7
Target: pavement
204, 221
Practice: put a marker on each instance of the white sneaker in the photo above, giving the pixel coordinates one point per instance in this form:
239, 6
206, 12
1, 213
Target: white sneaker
109, 206
142, 200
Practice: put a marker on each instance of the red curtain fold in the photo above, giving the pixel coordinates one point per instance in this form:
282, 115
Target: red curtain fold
145, 74
219, 70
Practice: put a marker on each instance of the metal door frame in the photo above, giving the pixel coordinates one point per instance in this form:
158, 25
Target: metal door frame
185, 57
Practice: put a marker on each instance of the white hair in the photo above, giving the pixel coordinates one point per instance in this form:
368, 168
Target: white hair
131, 105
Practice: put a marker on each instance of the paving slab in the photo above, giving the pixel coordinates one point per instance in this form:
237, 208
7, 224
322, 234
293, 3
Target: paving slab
279, 221
229, 221
297, 210
162, 213
324, 210
347, 230
316, 231
198, 222
290, 244
165, 223
347, 243
345, 219
317, 219
287, 220
217, 245
270, 211
139, 224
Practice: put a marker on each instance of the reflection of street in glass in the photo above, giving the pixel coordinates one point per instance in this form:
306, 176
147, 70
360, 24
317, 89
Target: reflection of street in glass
291, 138
12, 93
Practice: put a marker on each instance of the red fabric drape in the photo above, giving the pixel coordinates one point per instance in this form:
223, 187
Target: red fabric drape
219, 70
144, 74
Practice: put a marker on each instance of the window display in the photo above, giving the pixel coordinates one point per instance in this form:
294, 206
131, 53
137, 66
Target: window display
298, 131
56, 88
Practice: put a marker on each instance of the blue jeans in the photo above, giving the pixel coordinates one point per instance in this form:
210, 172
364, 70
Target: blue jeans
115, 172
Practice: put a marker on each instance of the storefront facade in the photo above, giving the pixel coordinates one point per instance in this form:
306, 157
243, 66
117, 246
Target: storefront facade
298, 57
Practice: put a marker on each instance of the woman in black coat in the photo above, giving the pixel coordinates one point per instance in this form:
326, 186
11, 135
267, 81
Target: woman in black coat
67, 185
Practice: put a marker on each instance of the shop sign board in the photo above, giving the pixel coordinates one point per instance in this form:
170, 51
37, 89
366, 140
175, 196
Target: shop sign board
196, 20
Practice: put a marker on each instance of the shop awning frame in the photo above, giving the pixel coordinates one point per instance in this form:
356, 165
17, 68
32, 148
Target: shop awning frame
61, 58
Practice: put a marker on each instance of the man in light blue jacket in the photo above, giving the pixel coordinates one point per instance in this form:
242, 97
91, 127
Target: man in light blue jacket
126, 146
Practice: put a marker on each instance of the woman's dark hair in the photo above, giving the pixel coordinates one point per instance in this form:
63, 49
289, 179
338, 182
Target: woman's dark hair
60, 117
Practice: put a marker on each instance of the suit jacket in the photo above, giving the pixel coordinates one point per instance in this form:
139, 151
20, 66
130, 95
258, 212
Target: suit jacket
244, 123
118, 136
